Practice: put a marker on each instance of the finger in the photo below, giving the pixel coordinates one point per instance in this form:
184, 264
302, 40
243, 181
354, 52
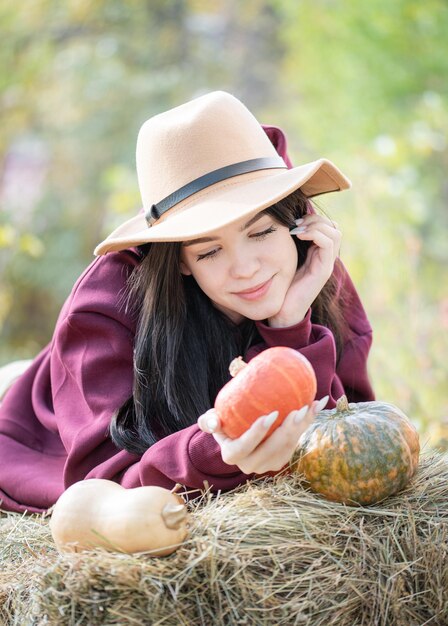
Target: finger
209, 422
277, 449
322, 235
222, 439
329, 231
320, 405
311, 218
298, 421
275, 452
233, 450
327, 245
304, 232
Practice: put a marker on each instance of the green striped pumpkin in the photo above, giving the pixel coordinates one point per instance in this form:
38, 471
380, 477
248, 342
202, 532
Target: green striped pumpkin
358, 453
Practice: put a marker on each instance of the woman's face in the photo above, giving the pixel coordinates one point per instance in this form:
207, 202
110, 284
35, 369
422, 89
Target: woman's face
244, 268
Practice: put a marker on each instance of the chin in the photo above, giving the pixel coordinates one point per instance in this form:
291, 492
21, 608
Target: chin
263, 313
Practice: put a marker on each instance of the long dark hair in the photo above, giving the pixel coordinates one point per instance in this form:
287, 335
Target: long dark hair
183, 344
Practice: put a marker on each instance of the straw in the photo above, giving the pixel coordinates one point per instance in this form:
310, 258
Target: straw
268, 553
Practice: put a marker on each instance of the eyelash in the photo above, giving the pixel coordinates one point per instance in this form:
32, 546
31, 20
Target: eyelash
259, 236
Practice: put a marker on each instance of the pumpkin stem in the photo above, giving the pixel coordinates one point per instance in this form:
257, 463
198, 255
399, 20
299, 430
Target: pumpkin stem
173, 515
342, 404
236, 366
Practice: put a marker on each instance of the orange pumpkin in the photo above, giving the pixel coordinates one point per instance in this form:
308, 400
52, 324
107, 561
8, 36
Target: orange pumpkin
278, 378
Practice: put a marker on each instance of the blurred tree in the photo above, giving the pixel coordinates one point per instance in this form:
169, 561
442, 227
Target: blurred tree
370, 83
86, 75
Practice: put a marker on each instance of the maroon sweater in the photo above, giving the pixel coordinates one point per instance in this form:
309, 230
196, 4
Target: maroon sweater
54, 420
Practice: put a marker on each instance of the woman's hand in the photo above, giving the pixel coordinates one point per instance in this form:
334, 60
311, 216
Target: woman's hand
249, 452
314, 273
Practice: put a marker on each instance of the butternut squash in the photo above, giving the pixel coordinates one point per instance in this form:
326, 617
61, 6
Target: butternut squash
101, 513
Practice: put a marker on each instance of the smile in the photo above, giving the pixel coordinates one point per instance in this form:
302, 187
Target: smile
256, 292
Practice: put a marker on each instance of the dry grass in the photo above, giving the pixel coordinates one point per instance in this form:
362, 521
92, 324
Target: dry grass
268, 553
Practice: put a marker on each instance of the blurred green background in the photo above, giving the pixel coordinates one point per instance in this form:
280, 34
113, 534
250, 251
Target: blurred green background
364, 84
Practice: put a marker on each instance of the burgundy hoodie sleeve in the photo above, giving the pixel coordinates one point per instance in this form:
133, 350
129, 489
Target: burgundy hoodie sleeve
85, 402
189, 457
349, 375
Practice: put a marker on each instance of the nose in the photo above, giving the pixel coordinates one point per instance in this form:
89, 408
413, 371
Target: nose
244, 264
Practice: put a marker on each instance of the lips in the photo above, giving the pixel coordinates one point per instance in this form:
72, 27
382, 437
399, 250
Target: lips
252, 289
255, 292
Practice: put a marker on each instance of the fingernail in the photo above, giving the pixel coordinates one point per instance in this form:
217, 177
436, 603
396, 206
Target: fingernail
270, 419
298, 230
322, 404
300, 414
299, 220
212, 423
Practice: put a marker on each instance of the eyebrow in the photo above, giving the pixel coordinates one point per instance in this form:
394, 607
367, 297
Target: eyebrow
252, 220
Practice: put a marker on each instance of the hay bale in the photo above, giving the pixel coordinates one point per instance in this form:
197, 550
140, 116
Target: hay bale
266, 553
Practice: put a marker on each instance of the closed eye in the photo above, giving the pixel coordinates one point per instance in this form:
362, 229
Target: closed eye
259, 236
207, 256
264, 233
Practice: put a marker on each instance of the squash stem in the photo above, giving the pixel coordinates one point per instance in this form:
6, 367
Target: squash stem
173, 515
342, 404
236, 366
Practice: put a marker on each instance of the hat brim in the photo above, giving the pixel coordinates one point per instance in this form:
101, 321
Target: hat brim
222, 204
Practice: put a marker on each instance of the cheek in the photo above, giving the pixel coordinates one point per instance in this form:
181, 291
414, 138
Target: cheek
208, 276
286, 253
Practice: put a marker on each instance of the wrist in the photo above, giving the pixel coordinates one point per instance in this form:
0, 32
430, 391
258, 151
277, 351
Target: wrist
278, 321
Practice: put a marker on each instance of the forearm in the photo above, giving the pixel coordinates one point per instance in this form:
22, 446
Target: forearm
190, 457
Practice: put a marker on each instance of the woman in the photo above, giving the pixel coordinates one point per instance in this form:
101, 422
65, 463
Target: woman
229, 257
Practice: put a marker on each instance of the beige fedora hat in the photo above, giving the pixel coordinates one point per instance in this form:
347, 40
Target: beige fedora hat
206, 164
